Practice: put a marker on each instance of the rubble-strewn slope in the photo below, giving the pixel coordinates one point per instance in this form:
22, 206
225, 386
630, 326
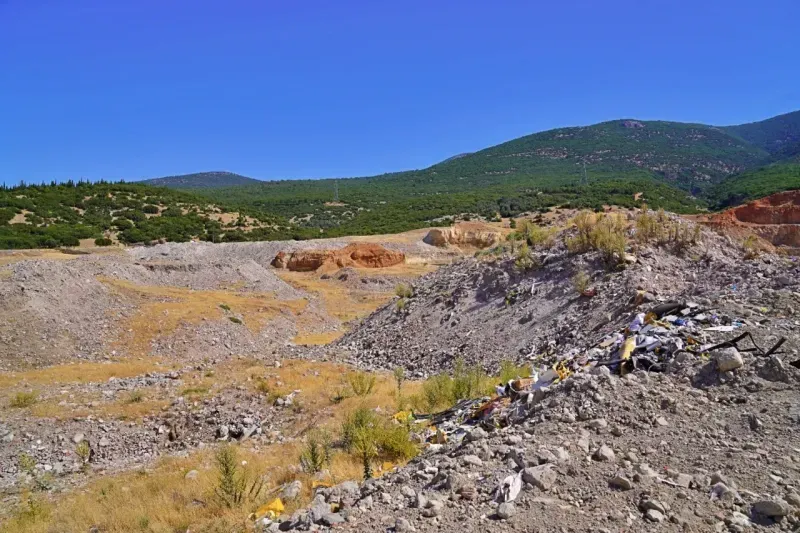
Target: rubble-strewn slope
484, 311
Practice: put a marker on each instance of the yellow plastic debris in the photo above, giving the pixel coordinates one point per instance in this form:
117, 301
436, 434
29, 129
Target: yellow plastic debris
272, 509
403, 416
627, 350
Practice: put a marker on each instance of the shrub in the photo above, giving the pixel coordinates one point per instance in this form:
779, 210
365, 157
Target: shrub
364, 432
580, 281
317, 452
150, 209
235, 320
512, 223
509, 371
751, 247
24, 399
103, 241
262, 387
437, 392
84, 451
225, 307
524, 258
467, 382
235, 486
608, 237
404, 291
135, 396
538, 236
399, 377
401, 304
362, 383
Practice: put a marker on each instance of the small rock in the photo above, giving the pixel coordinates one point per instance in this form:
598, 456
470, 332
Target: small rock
506, 510
771, 508
402, 525
620, 482
654, 516
728, 359
472, 460
191, 474
604, 453
476, 435
541, 477
78, 438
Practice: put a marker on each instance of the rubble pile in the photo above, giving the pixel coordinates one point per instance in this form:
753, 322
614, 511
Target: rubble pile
668, 400
485, 311
659, 431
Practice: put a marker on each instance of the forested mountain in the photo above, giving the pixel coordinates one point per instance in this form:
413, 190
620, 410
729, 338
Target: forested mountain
47, 216
780, 136
680, 167
207, 180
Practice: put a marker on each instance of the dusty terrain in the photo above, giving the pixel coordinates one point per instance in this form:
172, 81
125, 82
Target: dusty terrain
776, 219
123, 372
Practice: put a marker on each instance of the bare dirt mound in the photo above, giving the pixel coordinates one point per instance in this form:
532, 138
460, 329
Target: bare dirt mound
362, 255
774, 218
471, 234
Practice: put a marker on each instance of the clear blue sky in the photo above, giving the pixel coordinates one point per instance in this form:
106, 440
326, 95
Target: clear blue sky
131, 89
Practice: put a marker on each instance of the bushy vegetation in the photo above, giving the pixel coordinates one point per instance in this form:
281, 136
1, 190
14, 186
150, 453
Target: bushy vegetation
24, 399
62, 214
605, 232
361, 383
366, 433
235, 484
625, 163
317, 451
756, 184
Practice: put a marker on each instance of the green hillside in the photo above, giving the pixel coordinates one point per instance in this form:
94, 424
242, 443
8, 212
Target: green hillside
756, 184
47, 216
207, 180
780, 136
680, 167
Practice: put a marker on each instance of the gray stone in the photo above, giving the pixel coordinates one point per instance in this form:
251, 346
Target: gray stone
604, 453
78, 438
793, 499
104, 442
620, 482
541, 477
506, 510
654, 516
402, 525
292, 490
476, 435
771, 508
728, 359
191, 474
472, 460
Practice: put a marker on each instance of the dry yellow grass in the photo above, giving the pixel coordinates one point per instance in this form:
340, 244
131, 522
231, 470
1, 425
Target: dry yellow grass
341, 302
161, 499
163, 309
80, 373
318, 339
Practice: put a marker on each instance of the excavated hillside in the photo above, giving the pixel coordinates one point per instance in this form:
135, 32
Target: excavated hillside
775, 219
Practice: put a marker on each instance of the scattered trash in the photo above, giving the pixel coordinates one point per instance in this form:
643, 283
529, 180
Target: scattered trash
509, 488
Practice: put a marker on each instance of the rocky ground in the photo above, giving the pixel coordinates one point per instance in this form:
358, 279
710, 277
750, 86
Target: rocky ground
707, 439
484, 310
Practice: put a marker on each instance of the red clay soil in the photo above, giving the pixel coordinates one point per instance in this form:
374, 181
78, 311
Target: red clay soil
364, 255
774, 218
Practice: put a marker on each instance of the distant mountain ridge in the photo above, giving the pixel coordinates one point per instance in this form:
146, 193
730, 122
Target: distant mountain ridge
202, 180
